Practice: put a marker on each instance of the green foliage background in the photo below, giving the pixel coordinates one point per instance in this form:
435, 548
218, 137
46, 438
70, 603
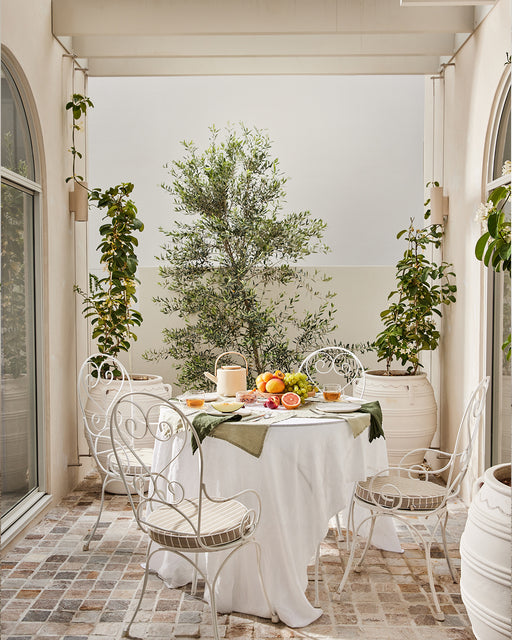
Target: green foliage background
229, 272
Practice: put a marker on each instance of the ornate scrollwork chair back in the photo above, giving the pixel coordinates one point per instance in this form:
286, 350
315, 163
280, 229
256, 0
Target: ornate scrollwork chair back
331, 364
414, 493
101, 381
174, 509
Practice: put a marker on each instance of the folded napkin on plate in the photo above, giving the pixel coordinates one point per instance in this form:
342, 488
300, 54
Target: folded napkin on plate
375, 430
249, 437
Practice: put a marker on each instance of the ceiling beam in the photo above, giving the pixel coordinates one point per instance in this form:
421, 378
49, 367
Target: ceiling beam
243, 66
264, 45
168, 17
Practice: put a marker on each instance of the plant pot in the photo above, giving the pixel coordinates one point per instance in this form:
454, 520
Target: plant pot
98, 403
409, 411
485, 557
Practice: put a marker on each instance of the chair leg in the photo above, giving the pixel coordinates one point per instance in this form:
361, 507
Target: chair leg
446, 554
317, 568
193, 588
438, 615
338, 527
213, 609
273, 614
126, 632
352, 552
90, 536
358, 566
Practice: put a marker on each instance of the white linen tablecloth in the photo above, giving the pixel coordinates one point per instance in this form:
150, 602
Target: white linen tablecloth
304, 476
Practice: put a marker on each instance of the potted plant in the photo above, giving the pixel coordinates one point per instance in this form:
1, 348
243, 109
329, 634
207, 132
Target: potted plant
109, 303
407, 399
485, 542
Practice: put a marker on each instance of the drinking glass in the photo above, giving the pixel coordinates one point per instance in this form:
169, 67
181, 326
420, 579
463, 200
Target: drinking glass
195, 399
331, 392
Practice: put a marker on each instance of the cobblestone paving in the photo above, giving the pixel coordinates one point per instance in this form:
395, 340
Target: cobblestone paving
52, 589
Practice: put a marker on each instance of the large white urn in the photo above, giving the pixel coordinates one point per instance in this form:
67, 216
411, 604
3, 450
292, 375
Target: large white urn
485, 584
102, 396
409, 411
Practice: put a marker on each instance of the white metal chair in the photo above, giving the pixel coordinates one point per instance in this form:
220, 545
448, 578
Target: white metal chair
334, 360
342, 363
101, 381
409, 495
176, 518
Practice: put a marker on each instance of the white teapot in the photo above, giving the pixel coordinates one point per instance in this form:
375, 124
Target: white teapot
231, 378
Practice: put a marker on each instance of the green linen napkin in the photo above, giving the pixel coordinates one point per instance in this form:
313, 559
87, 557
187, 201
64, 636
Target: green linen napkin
205, 423
375, 430
249, 437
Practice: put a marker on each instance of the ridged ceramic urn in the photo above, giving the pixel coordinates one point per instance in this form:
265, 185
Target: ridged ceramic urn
98, 403
485, 557
409, 412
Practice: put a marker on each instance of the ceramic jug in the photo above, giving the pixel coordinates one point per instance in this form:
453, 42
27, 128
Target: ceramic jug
230, 378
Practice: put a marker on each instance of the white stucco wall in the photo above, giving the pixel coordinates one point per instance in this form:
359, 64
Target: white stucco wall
470, 90
352, 148
48, 85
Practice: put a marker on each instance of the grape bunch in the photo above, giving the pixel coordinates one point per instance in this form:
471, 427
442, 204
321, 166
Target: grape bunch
299, 384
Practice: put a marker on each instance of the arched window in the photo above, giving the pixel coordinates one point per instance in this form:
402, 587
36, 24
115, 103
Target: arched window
19, 300
499, 449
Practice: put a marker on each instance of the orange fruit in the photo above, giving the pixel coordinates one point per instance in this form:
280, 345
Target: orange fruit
259, 379
266, 376
279, 374
261, 385
275, 385
290, 400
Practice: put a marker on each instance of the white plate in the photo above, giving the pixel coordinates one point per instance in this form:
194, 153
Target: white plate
339, 407
208, 397
240, 412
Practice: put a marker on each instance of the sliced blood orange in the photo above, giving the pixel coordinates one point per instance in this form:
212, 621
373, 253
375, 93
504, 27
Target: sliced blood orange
290, 400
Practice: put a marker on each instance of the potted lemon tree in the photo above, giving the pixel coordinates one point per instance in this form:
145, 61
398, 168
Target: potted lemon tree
423, 288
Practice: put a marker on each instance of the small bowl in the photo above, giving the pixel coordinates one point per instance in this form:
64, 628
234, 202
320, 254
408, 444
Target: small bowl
247, 397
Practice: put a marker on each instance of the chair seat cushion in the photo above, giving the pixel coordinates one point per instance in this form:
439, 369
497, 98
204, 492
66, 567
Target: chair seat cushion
408, 494
221, 523
131, 464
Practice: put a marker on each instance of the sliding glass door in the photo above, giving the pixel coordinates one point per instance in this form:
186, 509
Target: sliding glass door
19, 440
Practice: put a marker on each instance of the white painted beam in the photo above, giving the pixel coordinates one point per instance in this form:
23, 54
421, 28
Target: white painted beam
264, 45
164, 17
445, 3
243, 66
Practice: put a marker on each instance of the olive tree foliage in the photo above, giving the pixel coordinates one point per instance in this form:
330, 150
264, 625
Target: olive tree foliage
230, 271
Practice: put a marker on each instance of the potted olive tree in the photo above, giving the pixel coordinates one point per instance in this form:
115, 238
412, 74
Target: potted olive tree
230, 269
423, 287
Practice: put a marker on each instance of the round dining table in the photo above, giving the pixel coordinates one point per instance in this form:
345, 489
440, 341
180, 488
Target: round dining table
304, 476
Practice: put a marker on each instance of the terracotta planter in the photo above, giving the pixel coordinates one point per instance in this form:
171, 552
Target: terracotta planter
409, 412
485, 557
100, 398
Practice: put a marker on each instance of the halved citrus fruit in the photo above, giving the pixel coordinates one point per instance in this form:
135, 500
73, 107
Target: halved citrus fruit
290, 400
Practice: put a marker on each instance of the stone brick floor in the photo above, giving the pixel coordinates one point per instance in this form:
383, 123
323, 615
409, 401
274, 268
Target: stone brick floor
52, 589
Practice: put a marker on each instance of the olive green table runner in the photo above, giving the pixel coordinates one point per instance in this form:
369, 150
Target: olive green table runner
250, 435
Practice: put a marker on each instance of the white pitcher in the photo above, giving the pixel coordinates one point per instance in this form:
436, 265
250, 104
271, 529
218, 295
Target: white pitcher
230, 378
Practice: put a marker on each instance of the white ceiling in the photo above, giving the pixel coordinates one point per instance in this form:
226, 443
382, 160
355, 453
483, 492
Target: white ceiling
264, 37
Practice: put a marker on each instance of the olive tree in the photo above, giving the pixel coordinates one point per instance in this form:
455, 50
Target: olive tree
229, 265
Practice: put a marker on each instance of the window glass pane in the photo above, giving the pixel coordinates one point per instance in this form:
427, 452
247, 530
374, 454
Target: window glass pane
18, 459
502, 150
16, 144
